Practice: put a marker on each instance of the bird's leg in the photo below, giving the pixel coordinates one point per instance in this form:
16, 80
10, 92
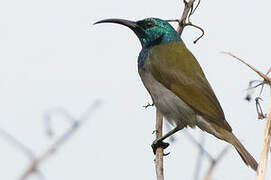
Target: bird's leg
159, 142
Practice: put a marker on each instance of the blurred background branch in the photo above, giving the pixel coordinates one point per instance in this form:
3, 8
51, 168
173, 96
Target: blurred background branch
203, 152
215, 161
200, 157
35, 161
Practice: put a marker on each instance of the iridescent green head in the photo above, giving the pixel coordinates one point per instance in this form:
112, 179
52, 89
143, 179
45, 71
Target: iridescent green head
150, 31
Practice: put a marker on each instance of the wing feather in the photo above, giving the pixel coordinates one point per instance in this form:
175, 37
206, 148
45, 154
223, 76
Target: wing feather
174, 66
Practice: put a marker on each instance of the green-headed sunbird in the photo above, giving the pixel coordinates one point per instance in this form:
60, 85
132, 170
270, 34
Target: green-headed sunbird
177, 84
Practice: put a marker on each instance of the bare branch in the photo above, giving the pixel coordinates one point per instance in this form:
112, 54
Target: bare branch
265, 77
33, 167
192, 12
209, 156
159, 151
188, 6
27, 151
259, 108
200, 156
266, 145
267, 130
202, 31
187, 13
53, 112
215, 162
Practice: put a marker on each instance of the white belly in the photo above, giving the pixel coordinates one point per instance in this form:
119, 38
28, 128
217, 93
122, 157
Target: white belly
171, 106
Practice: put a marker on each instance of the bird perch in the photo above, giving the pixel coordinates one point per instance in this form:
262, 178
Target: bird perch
187, 12
159, 151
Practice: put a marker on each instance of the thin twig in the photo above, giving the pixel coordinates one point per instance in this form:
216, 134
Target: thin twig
188, 11
192, 12
32, 168
202, 31
202, 152
199, 158
26, 150
159, 151
215, 161
264, 76
266, 145
260, 113
53, 112
187, 8
253, 87
182, 22
267, 130
201, 148
36, 161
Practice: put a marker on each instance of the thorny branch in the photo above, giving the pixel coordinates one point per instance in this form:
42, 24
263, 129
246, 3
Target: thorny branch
33, 167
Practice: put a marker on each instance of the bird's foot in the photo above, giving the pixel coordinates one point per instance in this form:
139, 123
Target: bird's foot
159, 144
148, 105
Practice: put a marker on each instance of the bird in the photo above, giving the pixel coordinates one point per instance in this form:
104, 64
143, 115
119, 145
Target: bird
177, 84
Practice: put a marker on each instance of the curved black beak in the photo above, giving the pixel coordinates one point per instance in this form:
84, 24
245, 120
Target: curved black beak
131, 24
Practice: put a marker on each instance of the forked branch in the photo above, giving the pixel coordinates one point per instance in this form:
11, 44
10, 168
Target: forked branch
35, 161
267, 130
215, 161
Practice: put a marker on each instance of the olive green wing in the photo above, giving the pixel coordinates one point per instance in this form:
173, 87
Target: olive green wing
174, 66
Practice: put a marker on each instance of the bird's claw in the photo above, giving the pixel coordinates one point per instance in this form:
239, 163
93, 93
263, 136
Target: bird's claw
159, 144
148, 105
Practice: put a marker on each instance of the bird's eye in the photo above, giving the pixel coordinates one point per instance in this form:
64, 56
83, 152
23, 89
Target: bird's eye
150, 24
